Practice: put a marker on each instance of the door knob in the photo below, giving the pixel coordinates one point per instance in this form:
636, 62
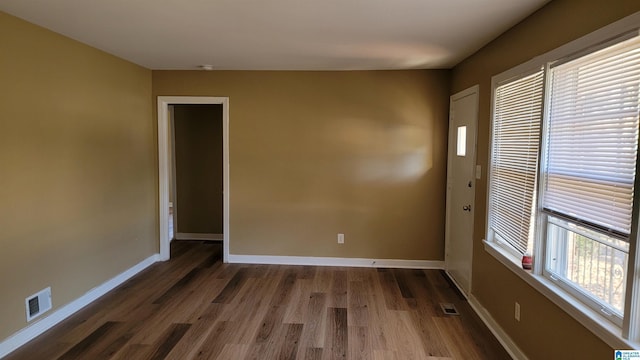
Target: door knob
467, 208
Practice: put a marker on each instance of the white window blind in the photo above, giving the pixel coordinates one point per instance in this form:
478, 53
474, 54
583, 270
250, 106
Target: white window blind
514, 159
593, 138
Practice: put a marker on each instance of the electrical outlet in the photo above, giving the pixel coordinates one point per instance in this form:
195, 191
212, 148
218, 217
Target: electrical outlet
340, 238
517, 314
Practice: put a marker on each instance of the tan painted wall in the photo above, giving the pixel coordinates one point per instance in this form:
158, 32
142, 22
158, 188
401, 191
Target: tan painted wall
198, 150
545, 332
77, 168
313, 154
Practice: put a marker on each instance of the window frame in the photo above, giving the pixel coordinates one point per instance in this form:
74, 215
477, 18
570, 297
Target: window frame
511, 75
617, 334
570, 288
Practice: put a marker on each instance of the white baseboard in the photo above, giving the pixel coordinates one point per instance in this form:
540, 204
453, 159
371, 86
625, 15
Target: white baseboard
497, 331
335, 261
198, 236
30, 332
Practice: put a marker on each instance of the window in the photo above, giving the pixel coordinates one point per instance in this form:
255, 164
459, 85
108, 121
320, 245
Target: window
516, 138
461, 148
562, 176
589, 173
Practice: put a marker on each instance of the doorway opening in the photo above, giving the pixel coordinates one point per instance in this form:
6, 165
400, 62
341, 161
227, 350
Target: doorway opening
166, 105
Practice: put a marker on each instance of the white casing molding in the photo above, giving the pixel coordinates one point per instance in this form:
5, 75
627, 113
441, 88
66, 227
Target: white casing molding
164, 168
30, 332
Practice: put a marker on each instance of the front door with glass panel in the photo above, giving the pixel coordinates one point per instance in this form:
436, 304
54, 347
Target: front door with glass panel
463, 114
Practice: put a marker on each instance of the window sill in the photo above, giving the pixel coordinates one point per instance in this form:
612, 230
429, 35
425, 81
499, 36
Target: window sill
596, 323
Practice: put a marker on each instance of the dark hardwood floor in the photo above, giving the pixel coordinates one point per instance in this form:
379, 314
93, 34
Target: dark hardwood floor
195, 307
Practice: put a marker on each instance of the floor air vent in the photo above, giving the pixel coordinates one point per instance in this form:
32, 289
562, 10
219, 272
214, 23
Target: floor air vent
449, 309
39, 303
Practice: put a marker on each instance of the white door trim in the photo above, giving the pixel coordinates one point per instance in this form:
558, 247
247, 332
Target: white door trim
164, 168
464, 93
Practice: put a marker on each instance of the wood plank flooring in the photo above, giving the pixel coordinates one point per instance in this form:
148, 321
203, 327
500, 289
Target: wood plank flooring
195, 307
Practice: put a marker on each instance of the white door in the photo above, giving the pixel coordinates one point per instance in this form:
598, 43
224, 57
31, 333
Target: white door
463, 114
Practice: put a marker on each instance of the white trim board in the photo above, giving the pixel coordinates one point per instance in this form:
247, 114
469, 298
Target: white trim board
198, 236
336, 261
497, 331
33, 330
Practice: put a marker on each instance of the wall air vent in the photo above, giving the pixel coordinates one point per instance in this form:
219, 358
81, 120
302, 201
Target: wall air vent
38, 303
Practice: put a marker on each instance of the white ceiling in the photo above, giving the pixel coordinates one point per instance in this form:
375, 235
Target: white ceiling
280, 34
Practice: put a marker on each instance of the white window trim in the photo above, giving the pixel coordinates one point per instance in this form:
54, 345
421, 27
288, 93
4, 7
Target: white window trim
613, 335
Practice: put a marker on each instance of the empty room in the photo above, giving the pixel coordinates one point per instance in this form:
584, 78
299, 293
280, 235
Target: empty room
320, 180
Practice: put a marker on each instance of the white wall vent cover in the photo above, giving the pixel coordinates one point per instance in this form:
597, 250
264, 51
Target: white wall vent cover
38, 303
